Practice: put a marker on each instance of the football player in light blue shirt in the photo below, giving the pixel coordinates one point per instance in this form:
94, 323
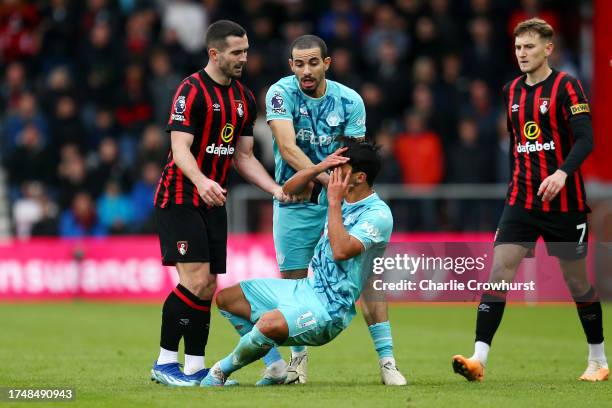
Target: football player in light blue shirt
313, 311
309, 115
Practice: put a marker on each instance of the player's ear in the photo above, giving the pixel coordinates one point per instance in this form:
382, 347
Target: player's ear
290, 61
212, 54
327, 62
548, 49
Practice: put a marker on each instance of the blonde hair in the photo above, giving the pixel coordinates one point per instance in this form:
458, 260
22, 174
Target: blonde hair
535, 25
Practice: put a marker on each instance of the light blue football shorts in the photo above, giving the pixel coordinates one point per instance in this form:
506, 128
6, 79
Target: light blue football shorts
296, 230
308, 320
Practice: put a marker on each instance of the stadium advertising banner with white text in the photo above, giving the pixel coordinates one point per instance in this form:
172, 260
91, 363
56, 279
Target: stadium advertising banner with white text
415, 267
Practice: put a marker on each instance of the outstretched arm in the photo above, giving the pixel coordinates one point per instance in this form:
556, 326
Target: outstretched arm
252, 170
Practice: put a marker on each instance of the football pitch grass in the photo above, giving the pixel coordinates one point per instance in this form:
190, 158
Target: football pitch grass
105, 352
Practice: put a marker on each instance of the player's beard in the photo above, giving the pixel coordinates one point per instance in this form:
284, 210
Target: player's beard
229, 69
313, 89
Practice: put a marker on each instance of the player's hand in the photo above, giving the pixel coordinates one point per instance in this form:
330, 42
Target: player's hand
333, 160
338, 185
211, 192
551, 185
280, 195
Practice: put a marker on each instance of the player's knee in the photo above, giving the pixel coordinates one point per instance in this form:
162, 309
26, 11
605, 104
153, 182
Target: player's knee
205, 287
273, 326
222, 299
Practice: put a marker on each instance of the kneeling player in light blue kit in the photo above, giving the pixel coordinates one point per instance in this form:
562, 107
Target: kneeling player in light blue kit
313, 311
309, 116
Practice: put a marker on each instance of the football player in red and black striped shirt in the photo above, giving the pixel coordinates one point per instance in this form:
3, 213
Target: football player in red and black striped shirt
551, 135
211, 127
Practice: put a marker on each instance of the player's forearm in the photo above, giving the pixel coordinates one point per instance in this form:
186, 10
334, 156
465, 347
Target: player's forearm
187, 163
583, 132
339, 238
300, 180
254, 172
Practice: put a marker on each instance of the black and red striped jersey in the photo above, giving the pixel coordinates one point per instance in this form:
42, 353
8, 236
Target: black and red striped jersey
216, 115
541, 138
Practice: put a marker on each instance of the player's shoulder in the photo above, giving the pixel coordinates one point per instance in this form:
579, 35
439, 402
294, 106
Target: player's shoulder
380, 210
566, 77
247, 91
508, 85
287, 84
344, 91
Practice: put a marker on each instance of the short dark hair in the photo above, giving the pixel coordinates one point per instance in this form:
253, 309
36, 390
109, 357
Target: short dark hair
364, 157
305, 42
218, 32
535, 25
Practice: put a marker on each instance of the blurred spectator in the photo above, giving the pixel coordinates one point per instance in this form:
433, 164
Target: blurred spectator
502, 150
27, 113
372, 97
530, 9
419, 152
13, 86
426, 42
133, 110
141, 198
390, 171
81, 218
189, 21
66, 125
342, 68
421, 158
391, 76
162, 85
483, 58
481, 108
388, 27
104, 126
257, 76
154, 146
451, 92
73, 175
58, 34
114, 209
31, 209
30, 161
468, 159
340, 10
445, 23
98, 64
109, 167
48, 223
138, 33
18, 37
342, 36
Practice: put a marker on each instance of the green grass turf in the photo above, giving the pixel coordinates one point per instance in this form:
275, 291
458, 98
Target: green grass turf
105, 351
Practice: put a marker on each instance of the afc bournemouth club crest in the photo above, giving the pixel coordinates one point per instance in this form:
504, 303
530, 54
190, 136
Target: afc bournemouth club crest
240, 108
182, 247
544, 104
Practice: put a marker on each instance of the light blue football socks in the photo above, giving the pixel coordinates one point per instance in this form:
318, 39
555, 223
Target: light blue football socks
383, 342
252, 346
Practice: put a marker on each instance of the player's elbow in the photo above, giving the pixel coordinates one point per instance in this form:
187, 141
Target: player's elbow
340, 255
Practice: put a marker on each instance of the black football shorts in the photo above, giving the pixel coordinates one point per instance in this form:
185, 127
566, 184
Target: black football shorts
565, 233
193, 234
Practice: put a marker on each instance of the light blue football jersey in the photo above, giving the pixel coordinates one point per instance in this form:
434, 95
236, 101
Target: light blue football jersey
318, 122
339, 284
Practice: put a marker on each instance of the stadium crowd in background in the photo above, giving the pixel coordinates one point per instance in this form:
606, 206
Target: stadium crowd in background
86, 87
